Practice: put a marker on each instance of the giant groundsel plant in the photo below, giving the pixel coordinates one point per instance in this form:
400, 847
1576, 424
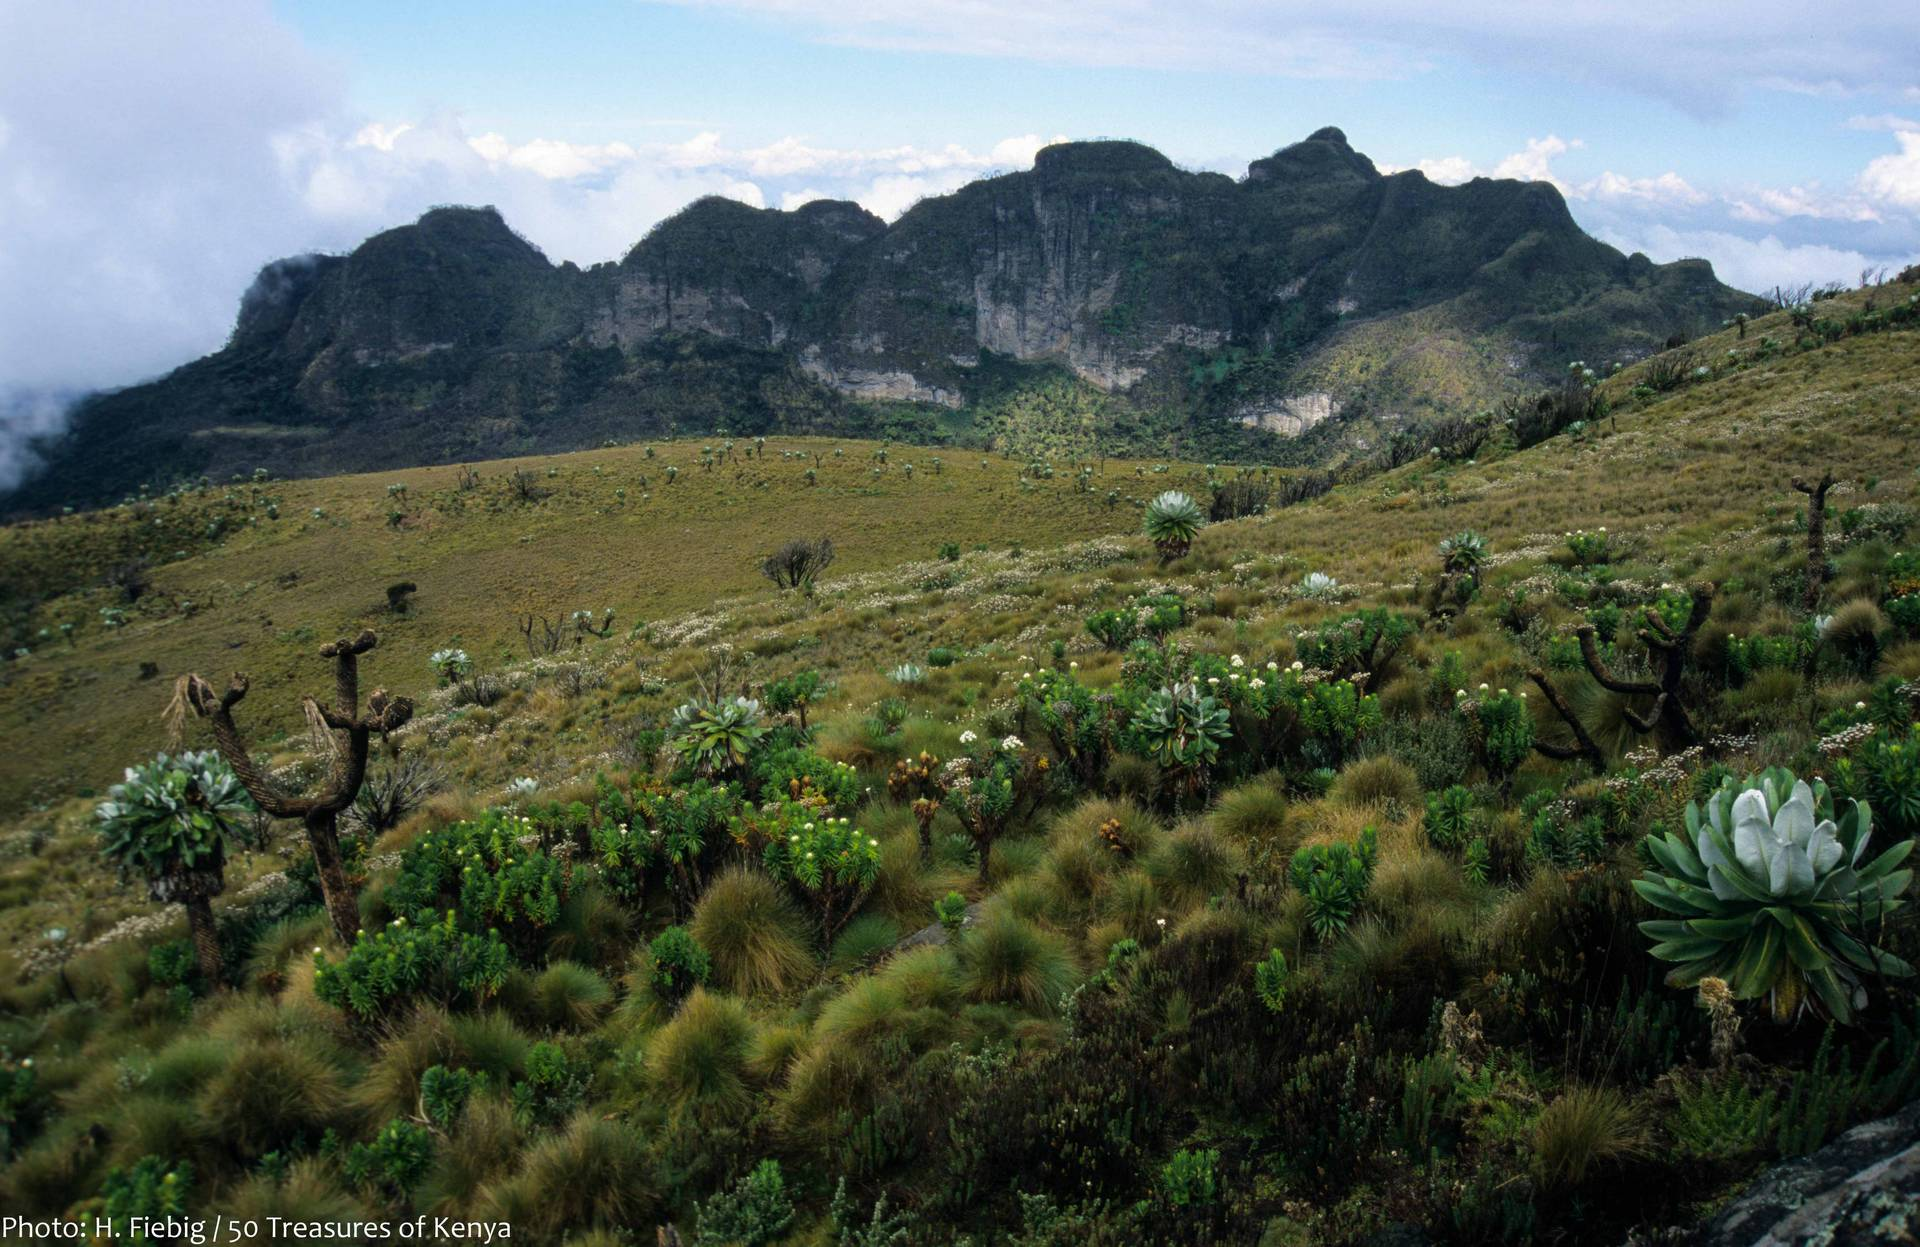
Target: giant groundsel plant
1775, 895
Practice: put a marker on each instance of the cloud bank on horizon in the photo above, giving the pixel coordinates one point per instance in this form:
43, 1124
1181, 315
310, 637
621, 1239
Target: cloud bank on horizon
152, 158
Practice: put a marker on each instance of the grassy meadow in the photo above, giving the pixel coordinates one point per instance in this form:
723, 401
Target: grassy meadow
1372, 964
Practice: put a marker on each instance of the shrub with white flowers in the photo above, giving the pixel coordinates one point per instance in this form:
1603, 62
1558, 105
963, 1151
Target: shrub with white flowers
829, 860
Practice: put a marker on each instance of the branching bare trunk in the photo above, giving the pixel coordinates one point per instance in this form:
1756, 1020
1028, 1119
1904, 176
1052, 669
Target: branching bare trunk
1816, 536
1584, 746
347, 732
1670, 650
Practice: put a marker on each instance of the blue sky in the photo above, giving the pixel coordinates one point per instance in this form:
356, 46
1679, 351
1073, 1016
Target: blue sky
153, 156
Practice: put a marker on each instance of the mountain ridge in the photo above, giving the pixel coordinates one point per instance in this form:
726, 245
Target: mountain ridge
1199, 301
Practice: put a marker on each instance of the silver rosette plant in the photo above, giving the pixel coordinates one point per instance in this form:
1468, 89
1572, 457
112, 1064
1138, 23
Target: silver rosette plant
1775, 894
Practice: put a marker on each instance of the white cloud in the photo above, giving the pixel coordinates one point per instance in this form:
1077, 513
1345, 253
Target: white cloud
1895, 178
1667, 188
1534, 163
1882, 121
1447, 170
1768, 205
1747, 263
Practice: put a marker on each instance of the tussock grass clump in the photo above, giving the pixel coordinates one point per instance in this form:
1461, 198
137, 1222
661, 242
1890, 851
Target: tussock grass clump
274, 1094
775, 1049
698, 1061
1133, 778
282, 946
1854, 631
1008, 959
1381, 781
863, 942
490, 1043
1193, 864
1133, 905
757, 939
1586, 1128
390, 1087
42, 1180
309, 1192
905, 888
483, 1145
1767, 698
569, 996
1253, 813
1014, 859
1416, 878
594, 1174
184, 1066
594, 929
152, 1125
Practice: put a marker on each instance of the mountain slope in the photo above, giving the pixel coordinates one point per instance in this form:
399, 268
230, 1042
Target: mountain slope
1212, 307
1168, 993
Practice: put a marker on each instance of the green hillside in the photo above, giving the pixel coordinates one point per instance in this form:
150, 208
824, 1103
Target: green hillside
1250, 893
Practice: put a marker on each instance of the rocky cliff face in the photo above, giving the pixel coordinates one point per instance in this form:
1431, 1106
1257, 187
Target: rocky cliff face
1208, 304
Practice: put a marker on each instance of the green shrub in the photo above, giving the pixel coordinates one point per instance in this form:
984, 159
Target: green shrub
1270, 977
1564, 840
444, 1093
829, 860
1451, 818
402, 962
679, 965
480, 870
950, 911
1885, 773
1719, 1119
798, 774
554, 1087
394, 1162
1334, 879
1077, 722
152, 1189
1359, 642
792, 694
1501, 728
1114, 629
756, 1210
1190, 1179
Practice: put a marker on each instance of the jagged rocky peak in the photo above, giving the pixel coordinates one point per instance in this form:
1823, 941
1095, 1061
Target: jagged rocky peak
1322, 156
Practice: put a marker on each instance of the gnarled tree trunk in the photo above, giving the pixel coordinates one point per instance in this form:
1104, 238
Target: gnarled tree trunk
347, 732
206, 940
1816, 493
